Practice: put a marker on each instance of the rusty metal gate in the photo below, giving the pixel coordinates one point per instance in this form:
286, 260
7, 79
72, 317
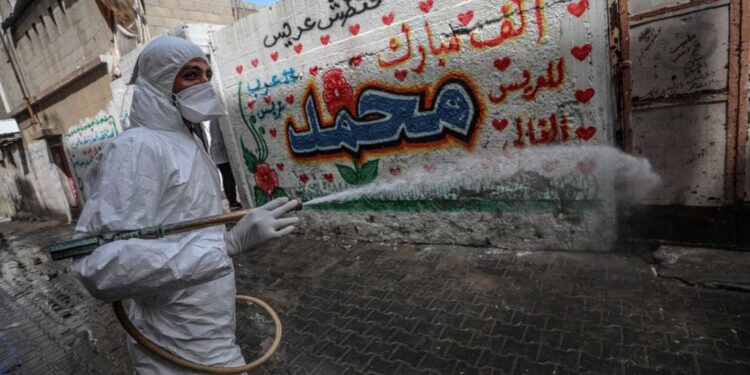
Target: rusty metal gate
682, 68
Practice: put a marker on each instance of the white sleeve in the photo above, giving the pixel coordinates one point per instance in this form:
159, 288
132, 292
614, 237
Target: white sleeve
129, 183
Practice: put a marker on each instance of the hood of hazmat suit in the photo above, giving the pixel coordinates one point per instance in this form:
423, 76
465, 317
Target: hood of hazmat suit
182, 285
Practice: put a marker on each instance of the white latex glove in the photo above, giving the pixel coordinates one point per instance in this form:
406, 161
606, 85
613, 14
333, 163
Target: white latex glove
262, 224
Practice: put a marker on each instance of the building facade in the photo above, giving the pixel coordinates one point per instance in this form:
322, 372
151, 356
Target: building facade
62, 56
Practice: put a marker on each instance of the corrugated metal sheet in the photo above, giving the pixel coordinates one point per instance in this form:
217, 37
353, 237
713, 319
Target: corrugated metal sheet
686, 146
680, 55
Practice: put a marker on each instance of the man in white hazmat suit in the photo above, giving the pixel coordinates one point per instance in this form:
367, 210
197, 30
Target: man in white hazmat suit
182, 285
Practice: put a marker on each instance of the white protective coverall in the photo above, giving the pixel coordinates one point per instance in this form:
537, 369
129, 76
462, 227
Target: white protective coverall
183, 285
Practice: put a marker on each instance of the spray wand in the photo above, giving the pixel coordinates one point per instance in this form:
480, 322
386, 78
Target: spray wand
87, 245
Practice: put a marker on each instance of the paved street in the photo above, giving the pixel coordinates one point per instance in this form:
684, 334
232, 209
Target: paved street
350, 307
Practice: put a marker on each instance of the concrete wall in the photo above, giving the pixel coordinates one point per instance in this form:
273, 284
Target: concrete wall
9, 84
58, 47
163, 15
84, 141
10, 197
32, 183
52, 42
474, 119
82, 98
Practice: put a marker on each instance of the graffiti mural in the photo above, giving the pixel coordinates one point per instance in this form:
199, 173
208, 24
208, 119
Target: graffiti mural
82, 142
385, 118
340, 13
350, 92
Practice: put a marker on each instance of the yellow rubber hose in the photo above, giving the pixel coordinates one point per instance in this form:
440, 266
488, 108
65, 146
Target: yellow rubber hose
179, 361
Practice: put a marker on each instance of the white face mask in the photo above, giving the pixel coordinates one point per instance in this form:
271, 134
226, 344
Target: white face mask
199, 103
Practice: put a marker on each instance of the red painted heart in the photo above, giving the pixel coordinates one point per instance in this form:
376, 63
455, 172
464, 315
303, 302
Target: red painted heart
251, 104
442, 62
396, 171
325, 39
268, 99
290, 99
275, 56
254, 62
500, 125
314, 70
273, 132
356, 60
586, 166
401, 74
304, 178
328, 177
425, 5
502, 64
577, 9
582, 52
584, 96
466, 17
388, 18
238, 68
298, 48
585, 133
280, 166
354, 29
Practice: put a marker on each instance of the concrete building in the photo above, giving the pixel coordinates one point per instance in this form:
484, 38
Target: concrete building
59, 61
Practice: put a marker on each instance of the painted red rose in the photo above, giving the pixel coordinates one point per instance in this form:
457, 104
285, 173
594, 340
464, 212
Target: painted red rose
266, 178
337, 92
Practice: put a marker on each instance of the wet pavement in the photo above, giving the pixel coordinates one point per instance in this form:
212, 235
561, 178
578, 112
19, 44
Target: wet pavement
354, 307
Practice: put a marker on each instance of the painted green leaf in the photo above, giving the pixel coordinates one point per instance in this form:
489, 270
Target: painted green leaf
278, 193
348, 174
262, 130
369, 171
251, 161
260, 196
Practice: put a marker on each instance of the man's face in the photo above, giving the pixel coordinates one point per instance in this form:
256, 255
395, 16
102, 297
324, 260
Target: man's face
194, 72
